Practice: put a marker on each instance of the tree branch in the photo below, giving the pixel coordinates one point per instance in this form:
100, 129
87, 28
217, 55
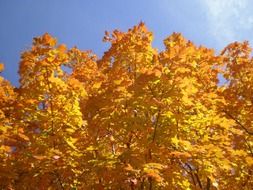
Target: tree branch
238, 122
156, 124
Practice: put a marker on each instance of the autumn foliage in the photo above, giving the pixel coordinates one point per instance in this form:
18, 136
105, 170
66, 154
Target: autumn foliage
135, 119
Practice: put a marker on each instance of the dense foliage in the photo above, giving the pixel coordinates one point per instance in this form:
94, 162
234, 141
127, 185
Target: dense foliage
134, 119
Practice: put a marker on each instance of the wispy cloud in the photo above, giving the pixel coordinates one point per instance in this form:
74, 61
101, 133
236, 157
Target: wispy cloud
229, 20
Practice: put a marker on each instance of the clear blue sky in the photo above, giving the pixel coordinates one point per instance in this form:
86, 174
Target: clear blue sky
213, 23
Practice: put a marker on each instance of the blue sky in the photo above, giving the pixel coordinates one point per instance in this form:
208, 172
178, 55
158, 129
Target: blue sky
212, 23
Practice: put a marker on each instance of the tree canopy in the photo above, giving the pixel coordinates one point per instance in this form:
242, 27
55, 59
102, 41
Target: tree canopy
137, 118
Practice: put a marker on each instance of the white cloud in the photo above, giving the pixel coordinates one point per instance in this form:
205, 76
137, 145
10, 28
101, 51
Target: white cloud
229, 20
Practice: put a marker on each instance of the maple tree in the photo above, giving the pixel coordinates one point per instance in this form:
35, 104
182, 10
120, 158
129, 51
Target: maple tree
136, 118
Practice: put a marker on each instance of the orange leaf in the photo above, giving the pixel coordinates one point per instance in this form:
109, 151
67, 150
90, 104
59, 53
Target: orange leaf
38, 157
1, 67
6, 148
26, 138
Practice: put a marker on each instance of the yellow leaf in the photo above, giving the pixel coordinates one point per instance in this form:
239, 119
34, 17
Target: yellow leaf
175, 141
249, 160
4, 128
152, 165
70, 141
117, 82
186, 184
70, 130
129, 168
97, 85
112, 139
215, 184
